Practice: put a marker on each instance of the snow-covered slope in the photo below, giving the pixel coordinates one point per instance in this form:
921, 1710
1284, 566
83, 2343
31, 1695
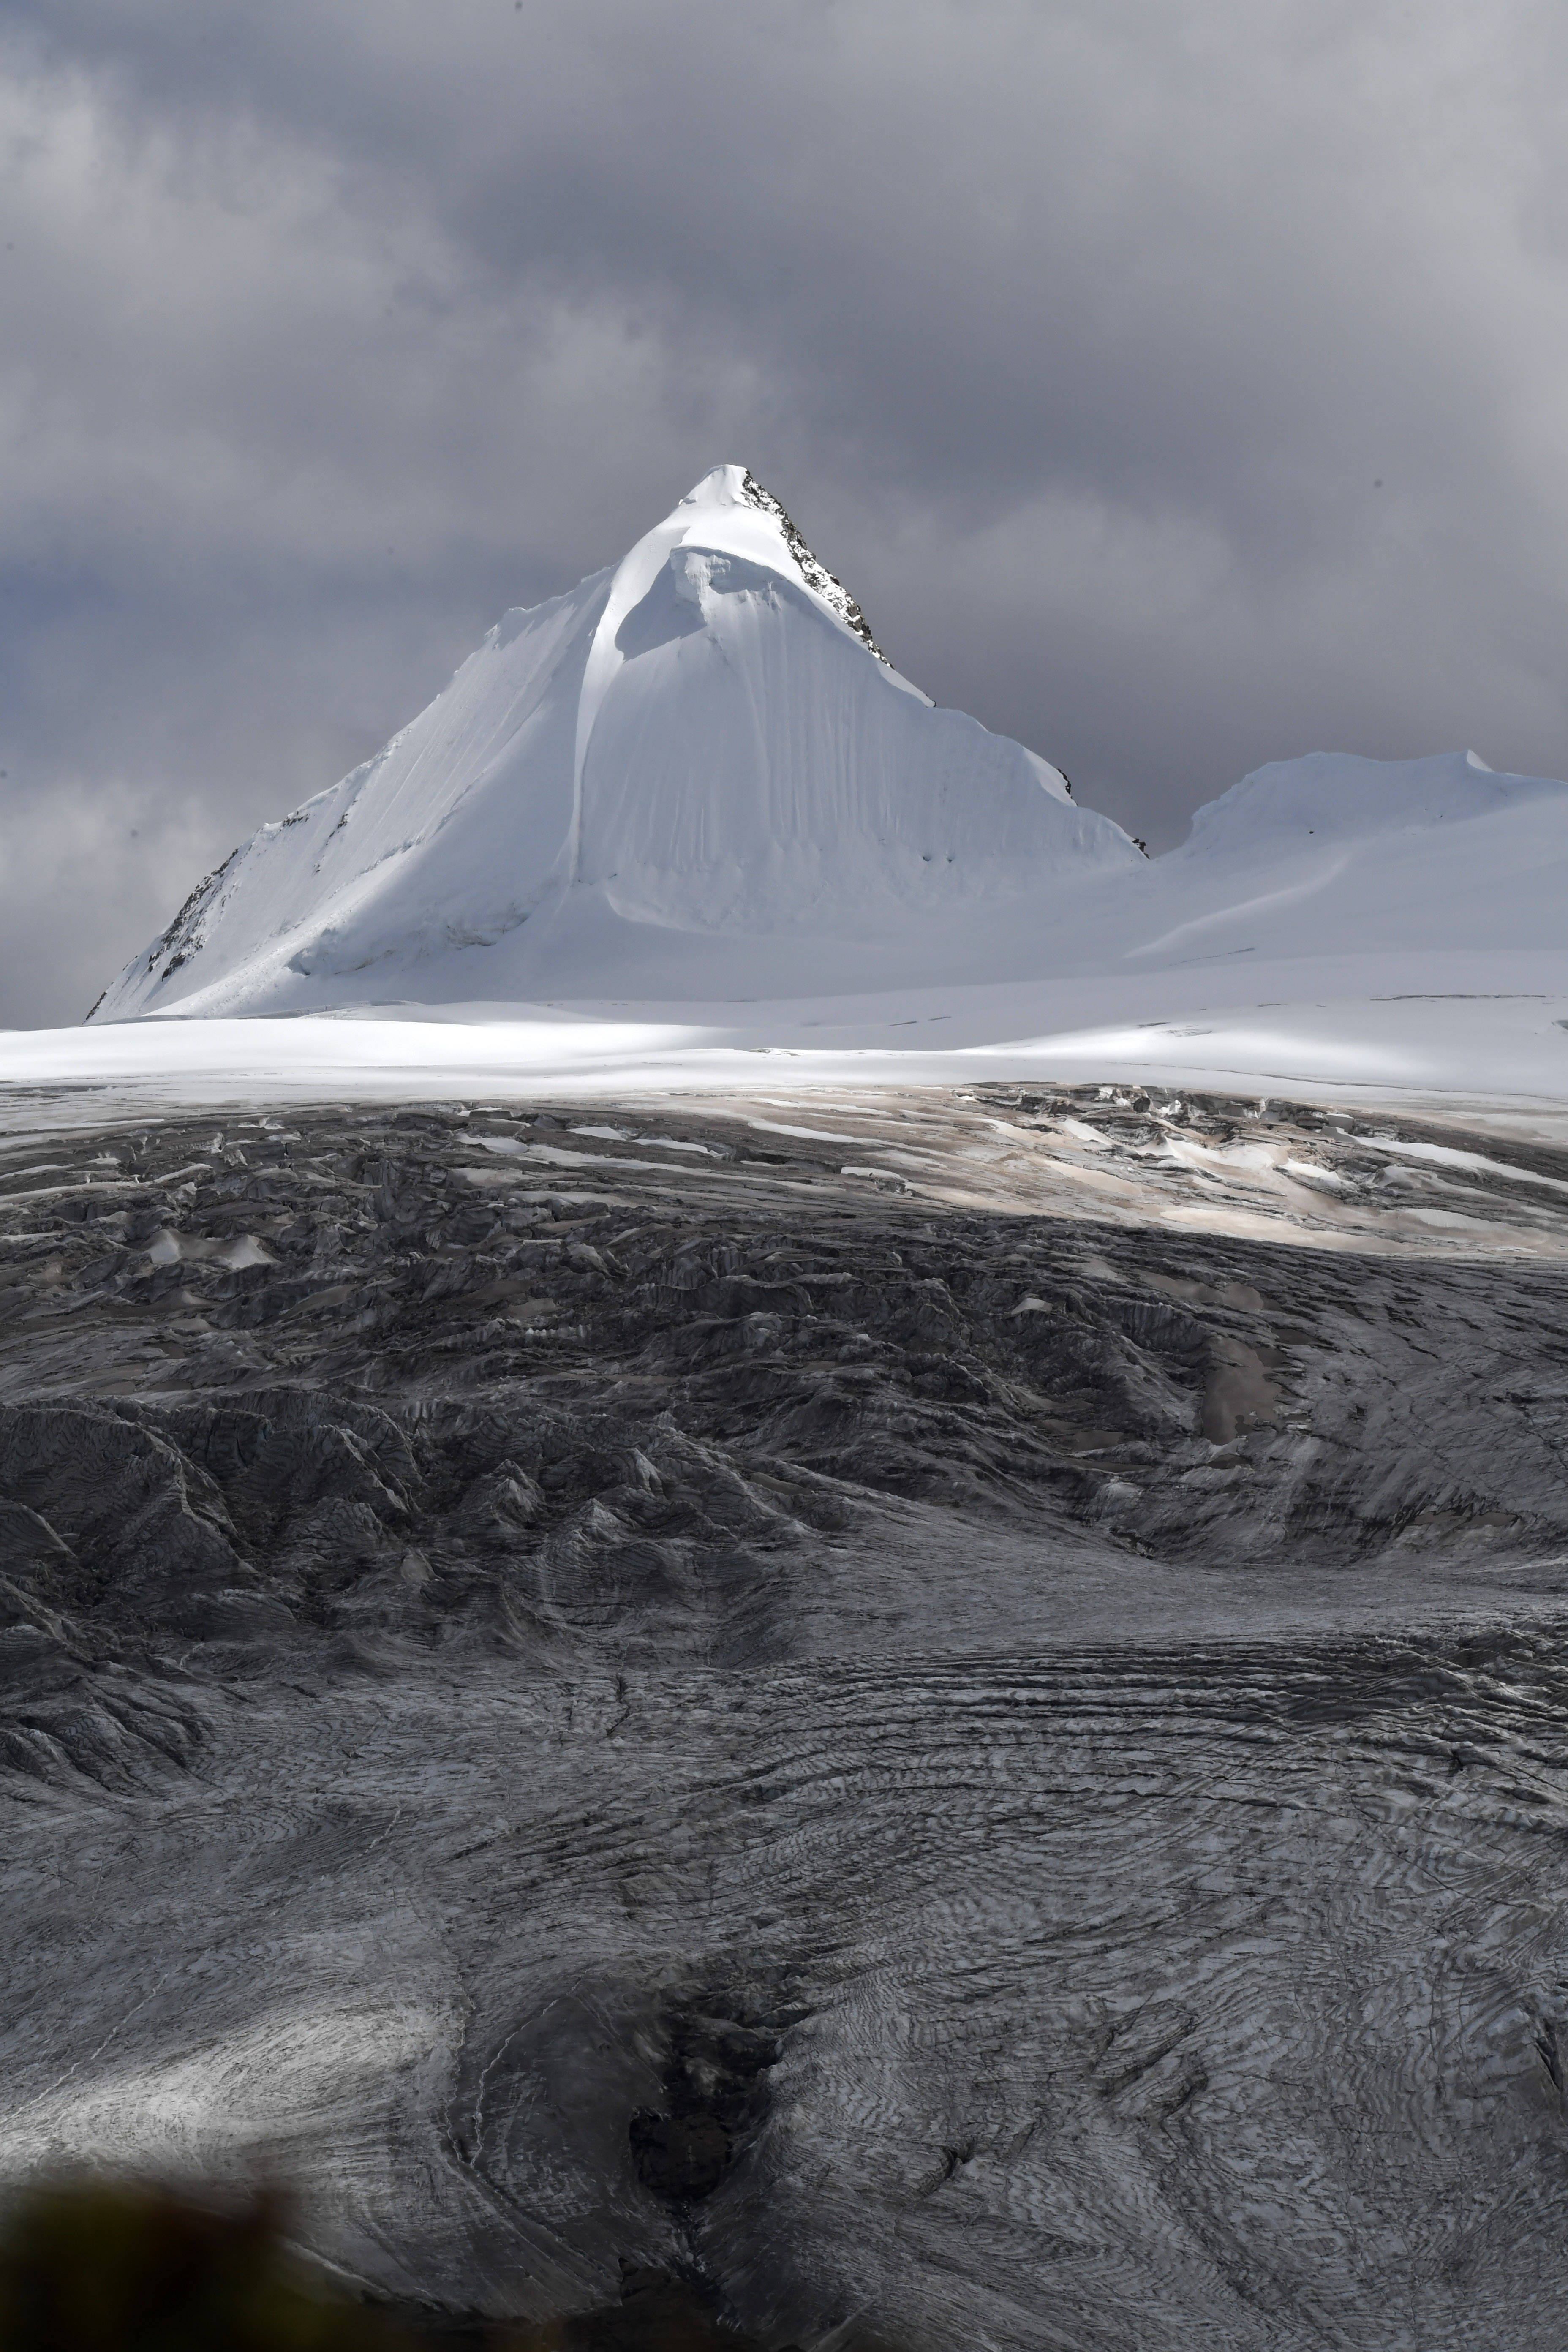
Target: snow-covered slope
1332, 857
694, 774
695, 786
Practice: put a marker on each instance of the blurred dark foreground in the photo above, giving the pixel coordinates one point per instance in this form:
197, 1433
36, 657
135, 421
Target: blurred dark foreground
102, 2267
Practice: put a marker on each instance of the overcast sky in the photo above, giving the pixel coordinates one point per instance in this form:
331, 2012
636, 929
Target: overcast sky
1178, 386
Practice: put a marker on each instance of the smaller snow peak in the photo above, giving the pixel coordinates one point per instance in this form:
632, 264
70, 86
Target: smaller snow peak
1338, 797
817, 575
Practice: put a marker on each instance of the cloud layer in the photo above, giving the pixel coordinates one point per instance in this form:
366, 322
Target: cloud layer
1176, 388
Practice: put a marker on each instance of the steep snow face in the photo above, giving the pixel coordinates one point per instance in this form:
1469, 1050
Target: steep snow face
669, 775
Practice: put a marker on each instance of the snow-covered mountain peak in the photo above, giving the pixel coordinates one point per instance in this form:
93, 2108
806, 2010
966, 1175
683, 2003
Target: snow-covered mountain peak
815, 574
685, 778
1339, 798
730, 511
721, 486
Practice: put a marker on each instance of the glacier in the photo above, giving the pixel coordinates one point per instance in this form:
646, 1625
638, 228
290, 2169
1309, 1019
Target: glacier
773, 1533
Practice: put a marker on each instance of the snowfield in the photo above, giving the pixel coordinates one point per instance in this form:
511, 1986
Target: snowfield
1499, 1050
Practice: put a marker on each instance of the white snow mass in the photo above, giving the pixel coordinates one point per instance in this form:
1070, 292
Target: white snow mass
695, 771
689, 813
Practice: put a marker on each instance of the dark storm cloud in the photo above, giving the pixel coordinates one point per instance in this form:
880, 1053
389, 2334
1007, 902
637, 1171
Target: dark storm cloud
1075, 337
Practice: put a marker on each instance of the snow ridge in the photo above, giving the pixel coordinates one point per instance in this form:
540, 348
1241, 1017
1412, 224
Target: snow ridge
186, 936
816, 573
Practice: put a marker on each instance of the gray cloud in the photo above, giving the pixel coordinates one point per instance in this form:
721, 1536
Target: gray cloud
1076, 337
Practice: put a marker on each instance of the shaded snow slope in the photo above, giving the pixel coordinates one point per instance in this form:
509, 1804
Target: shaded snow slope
644, 784
1332, 856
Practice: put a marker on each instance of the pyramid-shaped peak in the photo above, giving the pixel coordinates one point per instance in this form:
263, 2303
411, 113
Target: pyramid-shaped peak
726, 487
681, 780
